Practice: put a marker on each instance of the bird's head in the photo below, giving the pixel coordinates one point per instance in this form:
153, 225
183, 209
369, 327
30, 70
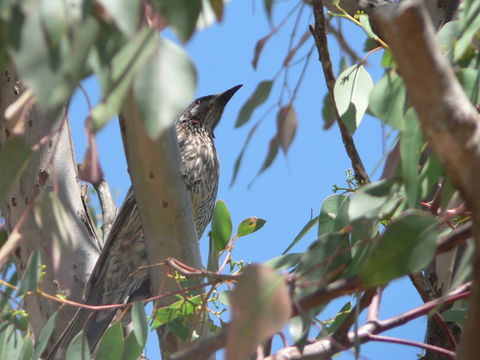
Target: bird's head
206, 111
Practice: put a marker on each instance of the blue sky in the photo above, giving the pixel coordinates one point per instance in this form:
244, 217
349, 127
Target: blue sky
292, 190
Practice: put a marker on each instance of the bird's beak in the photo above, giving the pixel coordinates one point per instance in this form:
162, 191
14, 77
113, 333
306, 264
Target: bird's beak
224, 97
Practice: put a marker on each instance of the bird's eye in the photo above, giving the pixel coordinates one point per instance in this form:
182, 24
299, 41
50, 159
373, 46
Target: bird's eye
197, 102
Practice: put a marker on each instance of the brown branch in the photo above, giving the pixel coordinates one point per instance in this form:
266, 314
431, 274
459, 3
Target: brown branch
319, 33
327, 347
449, 122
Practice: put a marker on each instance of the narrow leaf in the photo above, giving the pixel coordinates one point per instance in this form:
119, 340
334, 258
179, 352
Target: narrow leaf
306, 228
268, 4
258, 49
31, 276
249, 226
411, 141
271, 155
132, 350
140, 324
221, 226
78, 348
14, 158
387, 100
284, 262
260, 308
160, 103
44, 337
259, 96
286, 127
27, 348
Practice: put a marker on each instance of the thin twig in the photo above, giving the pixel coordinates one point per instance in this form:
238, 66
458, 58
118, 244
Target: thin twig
319, 33
417, 344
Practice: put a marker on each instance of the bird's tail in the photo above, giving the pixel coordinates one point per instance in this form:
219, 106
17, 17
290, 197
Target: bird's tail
92, 325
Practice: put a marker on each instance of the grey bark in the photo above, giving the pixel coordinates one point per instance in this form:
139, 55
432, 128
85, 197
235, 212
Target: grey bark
55, 162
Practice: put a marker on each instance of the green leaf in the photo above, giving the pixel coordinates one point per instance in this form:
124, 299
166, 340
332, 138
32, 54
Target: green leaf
387, 100
351, 92
213, 254
14, 158
326, 257
179, 329
337, 320
78, 348
124, 65
429, 177
259, 96
159, 102
249, 225
470, 80
111, 344
411, 140
375, 200
469, 27
328, 113
179, 309
455, 315
221, 226
306, 228
10, 342
284, 262
27, 348
181, 15
465, 267
140, 324
365, 21
299, 328
44, 337
334, 214
31, 276
268, 4
407, 246
273, 147
125, 13
132, 348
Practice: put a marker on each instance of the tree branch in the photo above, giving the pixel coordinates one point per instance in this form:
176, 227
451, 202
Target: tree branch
163, 201
52, 168
449, 122
319, 33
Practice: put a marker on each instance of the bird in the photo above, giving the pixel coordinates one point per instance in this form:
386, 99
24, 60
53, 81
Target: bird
116, 275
